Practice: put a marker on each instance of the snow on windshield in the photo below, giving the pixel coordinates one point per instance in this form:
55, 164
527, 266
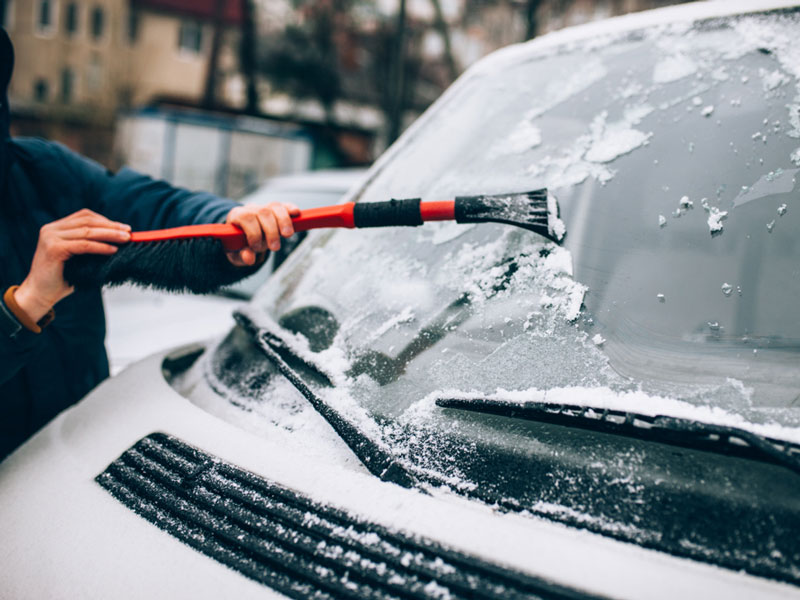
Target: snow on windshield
627, 138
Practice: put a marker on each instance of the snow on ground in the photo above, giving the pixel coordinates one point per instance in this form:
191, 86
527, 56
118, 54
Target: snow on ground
140, 322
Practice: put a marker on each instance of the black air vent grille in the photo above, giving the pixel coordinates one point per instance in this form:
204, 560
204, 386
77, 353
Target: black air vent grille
290, 543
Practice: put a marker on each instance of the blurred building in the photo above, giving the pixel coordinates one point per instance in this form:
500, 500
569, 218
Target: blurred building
79, 63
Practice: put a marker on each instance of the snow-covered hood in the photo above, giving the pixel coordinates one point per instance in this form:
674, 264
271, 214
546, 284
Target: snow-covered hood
62, 531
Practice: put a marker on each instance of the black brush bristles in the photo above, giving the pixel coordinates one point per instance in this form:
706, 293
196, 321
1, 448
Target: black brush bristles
197, 265
537, 211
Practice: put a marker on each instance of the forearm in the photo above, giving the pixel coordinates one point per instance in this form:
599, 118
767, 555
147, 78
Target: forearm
146, 203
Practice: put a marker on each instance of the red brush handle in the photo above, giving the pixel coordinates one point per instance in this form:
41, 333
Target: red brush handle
233, 239
340, 215
438, 211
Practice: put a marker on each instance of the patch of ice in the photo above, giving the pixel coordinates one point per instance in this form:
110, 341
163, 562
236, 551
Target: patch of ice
685, 203
782, 210
545, 265
598, 340
715, 218
616, 143
555, 93
406, 316
612, 140
673, 68
795, 157
774, 182
447, 231
631, 89
706, 112
525, 136
588, 155
771, 80
779, 37
720, 74
662, 221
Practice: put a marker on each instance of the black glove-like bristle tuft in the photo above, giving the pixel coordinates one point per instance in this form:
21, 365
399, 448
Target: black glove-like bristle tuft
197, 265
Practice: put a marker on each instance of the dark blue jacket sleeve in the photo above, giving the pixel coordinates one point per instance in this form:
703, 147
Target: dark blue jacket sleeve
140, 201
58, 182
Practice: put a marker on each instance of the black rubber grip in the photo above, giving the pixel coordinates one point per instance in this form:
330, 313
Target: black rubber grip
387, 214
471, 209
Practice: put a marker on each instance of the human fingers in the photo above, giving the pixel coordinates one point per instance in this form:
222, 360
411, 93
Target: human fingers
248, 222
82, 246
97, 233
243, 258
284, 221
88, 218
235, 259
269, 225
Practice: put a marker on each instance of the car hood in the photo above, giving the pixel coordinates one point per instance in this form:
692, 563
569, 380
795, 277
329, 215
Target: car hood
64, 531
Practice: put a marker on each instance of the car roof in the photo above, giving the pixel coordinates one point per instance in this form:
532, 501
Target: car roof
308, 181
668, 15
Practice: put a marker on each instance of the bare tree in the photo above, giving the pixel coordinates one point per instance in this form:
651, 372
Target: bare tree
212, 68
247, 55
531, 18
444, 31
397, 76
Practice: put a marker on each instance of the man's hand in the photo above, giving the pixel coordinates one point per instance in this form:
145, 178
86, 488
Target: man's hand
83, 232
263, 226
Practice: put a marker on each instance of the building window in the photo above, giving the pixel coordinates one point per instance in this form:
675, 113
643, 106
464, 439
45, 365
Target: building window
94, 73
45, 15
41, 90
98, 22
71, 18
67, 85
190, 37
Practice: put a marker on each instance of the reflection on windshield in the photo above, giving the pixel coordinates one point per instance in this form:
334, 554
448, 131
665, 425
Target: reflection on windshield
674, 160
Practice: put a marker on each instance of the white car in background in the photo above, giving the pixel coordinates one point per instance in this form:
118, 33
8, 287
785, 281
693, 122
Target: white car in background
471, 410
141, 322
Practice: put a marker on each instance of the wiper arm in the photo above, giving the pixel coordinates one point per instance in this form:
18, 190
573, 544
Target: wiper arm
377, 459
708, 437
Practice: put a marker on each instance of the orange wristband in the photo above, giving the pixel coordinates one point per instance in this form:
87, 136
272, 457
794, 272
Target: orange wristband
22, 316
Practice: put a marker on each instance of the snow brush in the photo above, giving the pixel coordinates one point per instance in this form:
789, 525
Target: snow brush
191, 258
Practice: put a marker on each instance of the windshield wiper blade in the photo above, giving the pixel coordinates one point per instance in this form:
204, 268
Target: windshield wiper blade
377, 459
721, 439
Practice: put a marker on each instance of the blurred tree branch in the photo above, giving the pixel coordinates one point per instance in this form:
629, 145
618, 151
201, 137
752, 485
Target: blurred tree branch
444, 31
531, 20
303, 61
397, 89
210, 88
247, 56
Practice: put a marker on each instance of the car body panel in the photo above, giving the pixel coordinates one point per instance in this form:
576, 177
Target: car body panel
66, 536
63, 532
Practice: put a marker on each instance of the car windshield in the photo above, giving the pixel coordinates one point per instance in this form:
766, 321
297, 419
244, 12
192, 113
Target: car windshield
673, 154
